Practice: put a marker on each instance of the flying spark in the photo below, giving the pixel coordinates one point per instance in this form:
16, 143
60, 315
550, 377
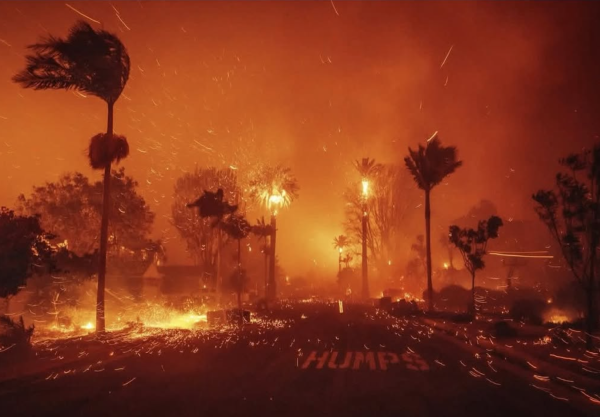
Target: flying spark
447, 55
334, 9
81, 14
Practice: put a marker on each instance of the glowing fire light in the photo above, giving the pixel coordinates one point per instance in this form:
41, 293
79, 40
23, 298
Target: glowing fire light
446, 265
365, 188
558, 319
88, 326
276, 200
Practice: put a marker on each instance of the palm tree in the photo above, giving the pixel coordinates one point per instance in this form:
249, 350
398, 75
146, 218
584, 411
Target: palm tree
340, 243
367, 168
429, 165
274, 187
95, 63
263, 230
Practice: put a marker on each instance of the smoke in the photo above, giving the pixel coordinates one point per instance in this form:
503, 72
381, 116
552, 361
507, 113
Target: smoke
234, 83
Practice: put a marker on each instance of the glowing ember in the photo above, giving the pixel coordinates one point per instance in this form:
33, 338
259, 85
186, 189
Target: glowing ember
558, 319
88, 326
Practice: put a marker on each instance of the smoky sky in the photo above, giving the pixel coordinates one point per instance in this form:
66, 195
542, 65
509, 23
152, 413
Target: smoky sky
234, 83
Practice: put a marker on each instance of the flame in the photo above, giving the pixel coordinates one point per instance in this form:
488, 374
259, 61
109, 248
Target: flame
275, 200
88, 326
558, 319
365, 188
557, 316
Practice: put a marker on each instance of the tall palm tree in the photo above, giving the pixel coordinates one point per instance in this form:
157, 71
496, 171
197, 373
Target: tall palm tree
367, 169
95, 63
429, 165
340, 243
274, 187
264, 230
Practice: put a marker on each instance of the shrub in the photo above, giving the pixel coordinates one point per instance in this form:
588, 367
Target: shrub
530, 310
503, 329
14, 333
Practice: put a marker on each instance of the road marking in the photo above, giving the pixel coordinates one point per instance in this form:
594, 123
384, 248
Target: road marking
370, 360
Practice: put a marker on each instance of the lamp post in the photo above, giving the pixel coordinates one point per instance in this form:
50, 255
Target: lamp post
365, 214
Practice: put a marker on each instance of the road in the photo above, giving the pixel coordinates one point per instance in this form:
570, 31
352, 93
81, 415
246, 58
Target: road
306, 360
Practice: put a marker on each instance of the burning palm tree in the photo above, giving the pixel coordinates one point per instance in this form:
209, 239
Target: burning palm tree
263, 230
95, 63
429, 165
274, 188
367, 169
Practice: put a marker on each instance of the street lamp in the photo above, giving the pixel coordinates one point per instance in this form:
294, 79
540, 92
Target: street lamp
365, 217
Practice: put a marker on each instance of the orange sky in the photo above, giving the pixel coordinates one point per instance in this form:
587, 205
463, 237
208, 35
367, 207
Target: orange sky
231, 83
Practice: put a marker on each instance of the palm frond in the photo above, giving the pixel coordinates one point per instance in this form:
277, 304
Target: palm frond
94, 62
274, 186
367, 167
430, 164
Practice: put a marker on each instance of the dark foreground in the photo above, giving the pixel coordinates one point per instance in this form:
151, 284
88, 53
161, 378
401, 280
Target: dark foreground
364, 364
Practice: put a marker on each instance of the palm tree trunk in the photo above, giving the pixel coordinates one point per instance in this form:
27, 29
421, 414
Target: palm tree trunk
591, 295
100, 310
266, 273
428, 249
239, 286
272, 290
365, 267
219, 281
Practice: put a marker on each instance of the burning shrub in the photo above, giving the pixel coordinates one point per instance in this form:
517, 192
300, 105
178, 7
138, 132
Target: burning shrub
15, 334
529, 309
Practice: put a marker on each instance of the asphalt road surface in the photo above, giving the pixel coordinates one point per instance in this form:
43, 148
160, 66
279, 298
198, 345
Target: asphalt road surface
305, 360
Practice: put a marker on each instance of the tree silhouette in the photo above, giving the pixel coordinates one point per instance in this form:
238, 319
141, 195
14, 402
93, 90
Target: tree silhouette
96, 63
273, 187
70, 207
472, 244
572, 214
391, 196
202, 238
340, 243
367, 168
429, 165
24, 250
238, 228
